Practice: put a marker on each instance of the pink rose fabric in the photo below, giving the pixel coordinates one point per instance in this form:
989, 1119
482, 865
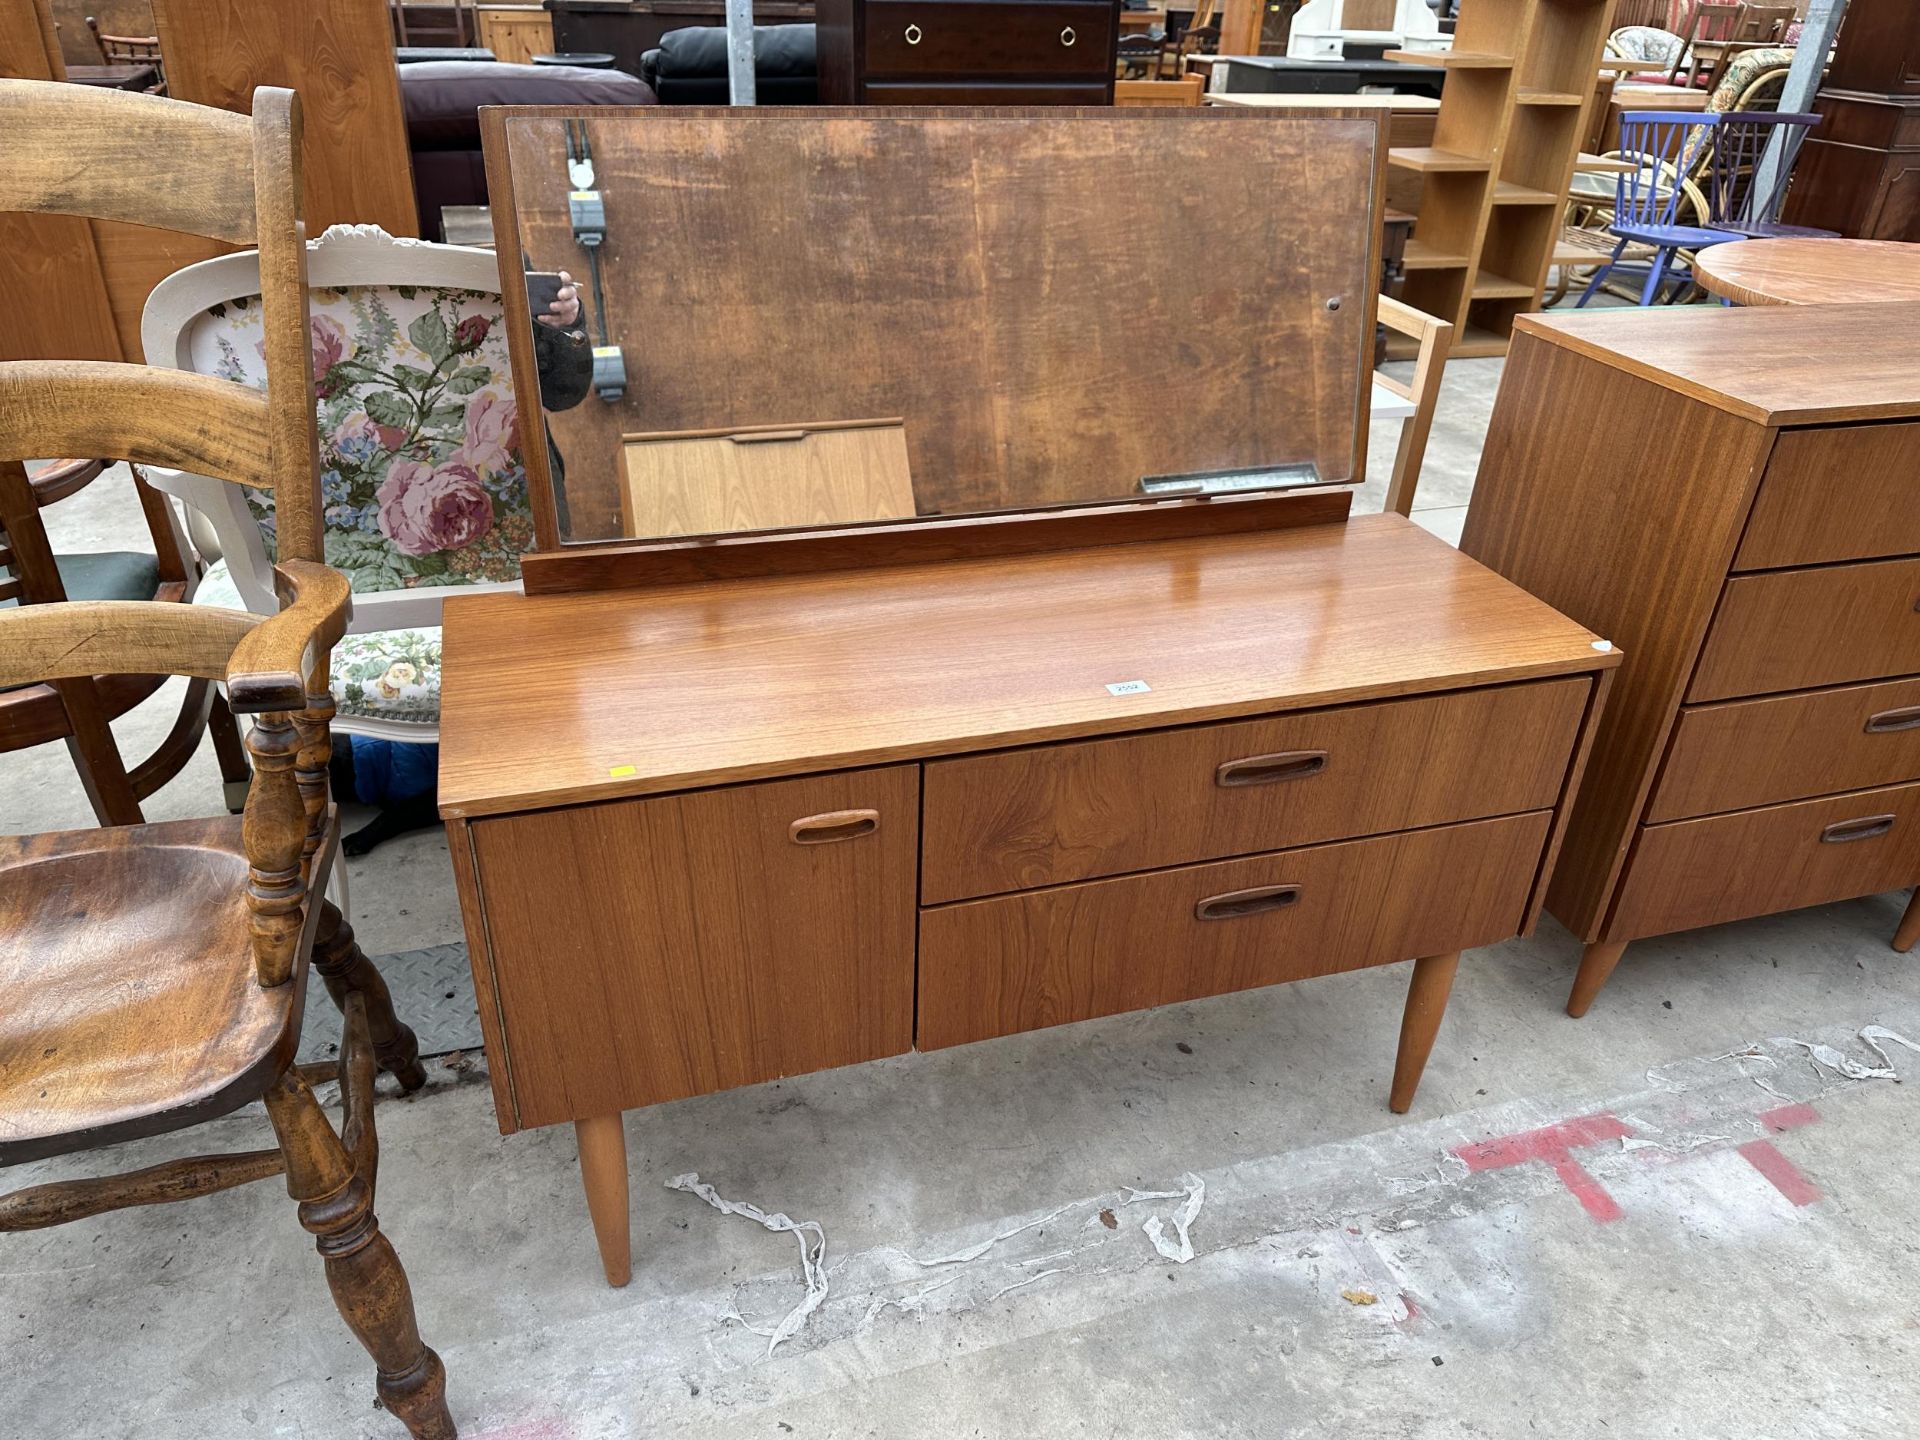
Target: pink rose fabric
360, 431
493, 432
470, 333
426, 508
329, 349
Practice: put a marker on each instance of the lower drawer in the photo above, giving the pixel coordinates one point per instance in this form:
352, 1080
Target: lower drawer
970, 92
1046, 957
1730, 867
1788, 747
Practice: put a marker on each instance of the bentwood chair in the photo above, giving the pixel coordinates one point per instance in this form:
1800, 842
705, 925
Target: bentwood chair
154, 976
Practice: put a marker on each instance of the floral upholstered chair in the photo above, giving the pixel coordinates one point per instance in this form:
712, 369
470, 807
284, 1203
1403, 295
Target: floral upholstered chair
422, 480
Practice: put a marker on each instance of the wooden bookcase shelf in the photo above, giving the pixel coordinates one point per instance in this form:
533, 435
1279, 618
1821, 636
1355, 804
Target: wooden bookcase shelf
1504, 149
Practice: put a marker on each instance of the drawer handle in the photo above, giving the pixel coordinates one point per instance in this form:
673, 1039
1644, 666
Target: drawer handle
1268, 769
1067, 37
913, 34
1888, 721
1868, 827
767, 437
1257, 901
832, 826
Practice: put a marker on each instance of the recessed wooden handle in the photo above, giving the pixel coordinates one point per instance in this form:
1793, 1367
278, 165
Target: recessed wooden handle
1887, 721
1268, 769
1256, 901
762, 437
1867, 827
832, 826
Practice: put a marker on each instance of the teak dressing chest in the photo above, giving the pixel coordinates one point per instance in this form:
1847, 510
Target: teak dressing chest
1744, 523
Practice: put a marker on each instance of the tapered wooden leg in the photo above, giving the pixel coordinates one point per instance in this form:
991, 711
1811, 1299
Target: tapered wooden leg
1596, 965
345, 968
232, 755
1908, 934
1426, 1003
369, 1287
603, 1171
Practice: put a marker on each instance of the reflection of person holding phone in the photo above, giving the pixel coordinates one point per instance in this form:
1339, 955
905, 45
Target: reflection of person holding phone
564, 361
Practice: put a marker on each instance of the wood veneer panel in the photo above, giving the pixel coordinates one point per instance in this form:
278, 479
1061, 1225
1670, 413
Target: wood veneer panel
1025, 818
1796, 629
656, 949
1020, 962
1841, 494
1759, 752
701, 684
1628, 534
1757, 862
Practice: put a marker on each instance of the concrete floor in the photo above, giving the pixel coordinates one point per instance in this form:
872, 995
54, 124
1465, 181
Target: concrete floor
1665, 1220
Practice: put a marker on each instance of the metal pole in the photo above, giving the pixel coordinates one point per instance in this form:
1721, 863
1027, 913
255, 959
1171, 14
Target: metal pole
740, 52
1803, 83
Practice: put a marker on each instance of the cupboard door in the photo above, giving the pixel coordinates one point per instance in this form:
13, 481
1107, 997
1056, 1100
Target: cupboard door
646, 950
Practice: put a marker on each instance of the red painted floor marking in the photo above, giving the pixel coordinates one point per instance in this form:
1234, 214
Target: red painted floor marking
1781, 1173
1789, 1117
1554, 1144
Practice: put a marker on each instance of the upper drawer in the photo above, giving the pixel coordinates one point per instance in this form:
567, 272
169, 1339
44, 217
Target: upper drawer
1787, 747
1026, 818
1845, 494
1798, 629
986, 37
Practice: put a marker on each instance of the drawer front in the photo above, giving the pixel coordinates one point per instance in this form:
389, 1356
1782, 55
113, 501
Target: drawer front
898, 92
645, 950
986, 37
1058, 813
1730, 867
1801, 629
1020, 962
1849, 494
1789, 747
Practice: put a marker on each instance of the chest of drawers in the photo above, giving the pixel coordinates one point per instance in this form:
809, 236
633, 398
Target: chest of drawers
711, 834
967, 52
1734, 500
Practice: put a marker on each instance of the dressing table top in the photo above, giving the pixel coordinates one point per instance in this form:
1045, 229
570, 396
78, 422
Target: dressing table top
558, 699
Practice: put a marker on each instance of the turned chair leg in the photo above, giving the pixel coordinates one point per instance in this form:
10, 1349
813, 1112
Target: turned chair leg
369, 1287
1426, 1003
347, 971
1596, 965
1908, 934
603, 1171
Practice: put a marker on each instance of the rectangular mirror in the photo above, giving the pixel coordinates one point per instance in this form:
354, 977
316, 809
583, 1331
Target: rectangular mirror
794, 318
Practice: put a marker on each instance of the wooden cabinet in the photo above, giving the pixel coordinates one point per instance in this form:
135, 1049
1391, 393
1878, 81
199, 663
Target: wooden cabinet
1859, 172
515, 33
1747, 528
967, 52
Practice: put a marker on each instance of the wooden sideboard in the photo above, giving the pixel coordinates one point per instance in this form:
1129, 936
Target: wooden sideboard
714, 832
1735, 501
1859, 172
967, 52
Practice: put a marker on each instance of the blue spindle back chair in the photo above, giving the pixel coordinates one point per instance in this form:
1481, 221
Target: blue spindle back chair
1665, 146
1740, 146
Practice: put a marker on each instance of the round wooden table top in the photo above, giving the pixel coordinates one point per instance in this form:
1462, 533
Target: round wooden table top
1810, 272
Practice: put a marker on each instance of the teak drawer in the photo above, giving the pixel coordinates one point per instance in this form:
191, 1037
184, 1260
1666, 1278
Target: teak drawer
1800, 629
1756, 862
1743, 753
1842, 494
1020, 962
646, 950
1056, 813
985, 37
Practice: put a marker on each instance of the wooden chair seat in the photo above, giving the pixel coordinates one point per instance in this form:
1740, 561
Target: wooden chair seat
129, 1004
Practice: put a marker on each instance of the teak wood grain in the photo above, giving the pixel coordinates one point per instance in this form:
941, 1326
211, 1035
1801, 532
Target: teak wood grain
705, 684
1796, 629
1727, 867
1849, 493
1020, 819
1019, 962
1620, 530
1745, 753
654, 949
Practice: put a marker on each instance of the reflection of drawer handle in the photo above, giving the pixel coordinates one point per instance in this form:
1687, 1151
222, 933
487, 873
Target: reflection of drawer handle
1868, 827
913, 34
1888, 721
1266, 769
834, 825
1236, 903
1067, 36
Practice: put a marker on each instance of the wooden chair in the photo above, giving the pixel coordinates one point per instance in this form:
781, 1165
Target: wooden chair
153, 976
78, 711
1434, 338
131, 50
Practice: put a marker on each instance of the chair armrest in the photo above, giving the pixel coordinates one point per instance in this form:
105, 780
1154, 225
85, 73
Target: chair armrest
55, 482
269, 667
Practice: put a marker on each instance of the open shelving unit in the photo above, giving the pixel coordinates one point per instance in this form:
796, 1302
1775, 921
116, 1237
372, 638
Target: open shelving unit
1504, 149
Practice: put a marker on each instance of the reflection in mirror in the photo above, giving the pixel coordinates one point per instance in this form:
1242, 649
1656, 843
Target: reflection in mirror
754, 320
